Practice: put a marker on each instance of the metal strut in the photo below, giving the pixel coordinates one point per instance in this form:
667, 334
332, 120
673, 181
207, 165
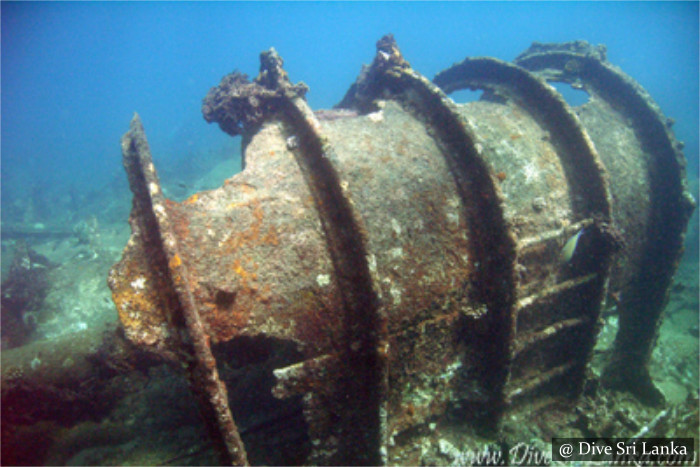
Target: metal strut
154, 236
361, 382
645, 292
493, 247
400, 254
591, 199
582, 166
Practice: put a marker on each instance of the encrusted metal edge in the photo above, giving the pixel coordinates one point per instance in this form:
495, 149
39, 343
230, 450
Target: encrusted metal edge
193, 344
583, 168
492, 243
641, 308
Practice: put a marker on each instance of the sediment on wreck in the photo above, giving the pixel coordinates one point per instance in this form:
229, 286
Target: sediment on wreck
391, 272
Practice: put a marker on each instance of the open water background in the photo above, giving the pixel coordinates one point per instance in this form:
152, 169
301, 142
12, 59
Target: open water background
73, 73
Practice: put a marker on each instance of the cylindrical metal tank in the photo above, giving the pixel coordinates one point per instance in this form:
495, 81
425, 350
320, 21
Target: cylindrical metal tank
421, 257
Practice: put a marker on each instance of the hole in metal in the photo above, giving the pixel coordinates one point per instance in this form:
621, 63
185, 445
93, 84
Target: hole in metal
574, 97
464, 96
224, 300
273, 430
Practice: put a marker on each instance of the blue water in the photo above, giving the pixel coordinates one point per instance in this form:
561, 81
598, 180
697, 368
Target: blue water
74, 73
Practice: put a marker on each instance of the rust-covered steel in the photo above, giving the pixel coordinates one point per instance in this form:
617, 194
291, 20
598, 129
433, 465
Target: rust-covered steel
647, 171
410, 248
161, 290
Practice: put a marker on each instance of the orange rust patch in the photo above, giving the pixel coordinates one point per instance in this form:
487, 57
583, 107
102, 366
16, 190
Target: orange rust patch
179, 222
133, 306
254, 235
270, 238
265, 296
245, 275
139, 296
244, 187
192, 199
247, 188
228, 321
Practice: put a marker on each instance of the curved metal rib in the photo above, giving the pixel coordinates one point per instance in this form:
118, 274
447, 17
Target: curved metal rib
362, 384
492, 243
585, 174
585, 66
151, 226
583, 168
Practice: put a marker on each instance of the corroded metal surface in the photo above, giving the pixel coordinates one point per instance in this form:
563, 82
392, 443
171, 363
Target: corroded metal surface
155, 297
653, 206
556, 316
407, 247
490, 245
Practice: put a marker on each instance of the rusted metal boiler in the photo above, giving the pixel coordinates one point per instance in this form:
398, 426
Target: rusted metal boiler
412, 258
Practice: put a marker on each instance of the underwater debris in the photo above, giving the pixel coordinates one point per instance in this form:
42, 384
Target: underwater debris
240, 106
55, 383
23, 293
455, 313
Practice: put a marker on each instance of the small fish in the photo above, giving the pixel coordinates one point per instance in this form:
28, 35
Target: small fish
570, 247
